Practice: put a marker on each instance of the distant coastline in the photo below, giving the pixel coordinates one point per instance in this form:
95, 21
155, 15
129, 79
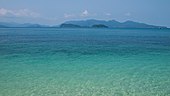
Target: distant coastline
91, 23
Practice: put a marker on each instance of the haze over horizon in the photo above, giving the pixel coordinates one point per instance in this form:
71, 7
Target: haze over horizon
54, 12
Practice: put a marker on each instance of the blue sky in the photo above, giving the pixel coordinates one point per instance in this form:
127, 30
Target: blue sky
54, 12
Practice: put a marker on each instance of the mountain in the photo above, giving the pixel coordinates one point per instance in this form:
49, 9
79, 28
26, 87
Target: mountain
88, 23
13, 25
69, 26
111, 24
99, 26
91, 23
3, 26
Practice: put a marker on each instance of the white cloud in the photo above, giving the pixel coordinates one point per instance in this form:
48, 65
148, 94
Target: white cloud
108, 14
18, 13
69, 15
85, 13
3, 11
82, 14
128, 14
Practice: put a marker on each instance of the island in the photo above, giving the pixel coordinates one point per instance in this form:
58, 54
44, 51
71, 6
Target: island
69, 26
99, 26
90, 23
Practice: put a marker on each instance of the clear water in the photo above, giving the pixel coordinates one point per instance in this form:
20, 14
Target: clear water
84, 62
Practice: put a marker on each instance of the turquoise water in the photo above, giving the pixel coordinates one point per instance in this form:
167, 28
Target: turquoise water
84, 62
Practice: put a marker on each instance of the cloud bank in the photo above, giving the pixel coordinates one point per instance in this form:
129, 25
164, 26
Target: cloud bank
18, 13
85, 13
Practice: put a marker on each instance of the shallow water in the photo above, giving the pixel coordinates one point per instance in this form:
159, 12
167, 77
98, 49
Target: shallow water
84, 62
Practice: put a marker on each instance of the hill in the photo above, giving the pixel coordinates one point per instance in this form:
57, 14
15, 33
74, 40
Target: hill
111, 24
91, 23
25, 25
69, 26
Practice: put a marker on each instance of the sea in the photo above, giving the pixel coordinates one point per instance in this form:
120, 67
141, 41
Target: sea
84, 62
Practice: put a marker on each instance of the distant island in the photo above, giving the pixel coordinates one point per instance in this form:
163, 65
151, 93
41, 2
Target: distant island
99, 26
18, 25
91, 23
69, 26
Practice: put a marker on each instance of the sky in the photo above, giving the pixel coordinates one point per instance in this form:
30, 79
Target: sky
54, 12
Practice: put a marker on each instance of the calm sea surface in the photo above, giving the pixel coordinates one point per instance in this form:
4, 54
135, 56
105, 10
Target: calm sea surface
84, 62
